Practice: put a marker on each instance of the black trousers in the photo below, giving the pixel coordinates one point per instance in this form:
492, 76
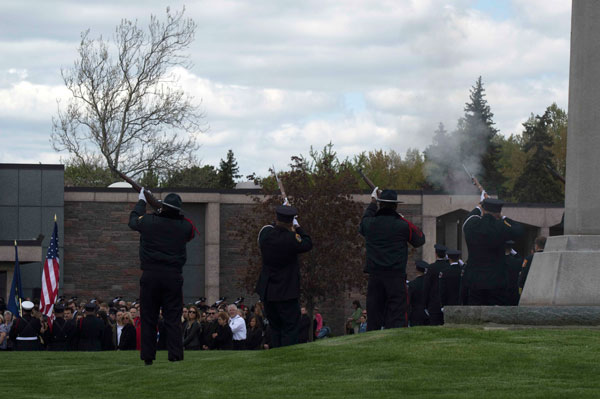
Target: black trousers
490, 297
284, 319
387, 301
161, 289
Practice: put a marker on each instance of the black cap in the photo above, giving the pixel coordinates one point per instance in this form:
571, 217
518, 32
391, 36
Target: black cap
388, 196
509, 243
239, 300
173, 201
73, 299
90, 307
453, 253
421, 265
59, 308
202, 299
492, 205
286, 213
440, 248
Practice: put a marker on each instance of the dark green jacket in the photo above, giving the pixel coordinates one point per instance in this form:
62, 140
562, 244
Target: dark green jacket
485, 236
387, 235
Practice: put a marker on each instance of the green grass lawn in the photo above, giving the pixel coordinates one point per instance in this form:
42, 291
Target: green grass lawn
417, 362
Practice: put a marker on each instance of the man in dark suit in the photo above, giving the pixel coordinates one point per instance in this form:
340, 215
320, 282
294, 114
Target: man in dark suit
163, 239
90, 330
417, 314
450, 280
387, 235
486, 232
431, 287
58, 336
279, 282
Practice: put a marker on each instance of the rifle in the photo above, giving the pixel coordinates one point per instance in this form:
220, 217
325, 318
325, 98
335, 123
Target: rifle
473, 179
368, 181
279, 184
154, 203
555, 174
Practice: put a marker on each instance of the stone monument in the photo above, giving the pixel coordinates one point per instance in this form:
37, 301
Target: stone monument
568, 271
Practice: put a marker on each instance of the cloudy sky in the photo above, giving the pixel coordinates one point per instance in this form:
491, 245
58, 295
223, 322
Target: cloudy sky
275, 77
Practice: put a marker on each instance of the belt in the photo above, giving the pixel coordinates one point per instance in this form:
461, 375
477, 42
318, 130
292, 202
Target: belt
27, 338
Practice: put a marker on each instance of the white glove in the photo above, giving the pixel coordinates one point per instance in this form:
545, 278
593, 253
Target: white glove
374, 193
142, 196
286, 202
295, 222
513, 252
460, 262
483, 193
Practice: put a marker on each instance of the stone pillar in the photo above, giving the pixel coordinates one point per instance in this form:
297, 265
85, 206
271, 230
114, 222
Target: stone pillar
429, 229
451, 233
545, 231
212, 238
568, 272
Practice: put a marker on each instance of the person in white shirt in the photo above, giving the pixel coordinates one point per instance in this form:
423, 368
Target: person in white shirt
238, 327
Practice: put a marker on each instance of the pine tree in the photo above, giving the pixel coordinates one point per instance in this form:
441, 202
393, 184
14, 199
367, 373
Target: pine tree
476, 134
536, 184
228, 171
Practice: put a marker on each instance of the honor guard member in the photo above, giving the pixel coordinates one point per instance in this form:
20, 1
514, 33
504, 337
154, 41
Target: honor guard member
279, 281
450, 279
163, 239
486, 231
433, 300
89, 330
540, 243
513, 268
417, 315
26, 329
387, 234
58, 335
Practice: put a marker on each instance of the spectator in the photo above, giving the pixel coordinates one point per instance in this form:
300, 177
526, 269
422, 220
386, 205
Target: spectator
238, 327
304, 326
192, 335
223, 337
254, 335
3, 334
184, 317
354, 318
362, 327
127, 336
6, 344
318, 323
209, 328
107, 338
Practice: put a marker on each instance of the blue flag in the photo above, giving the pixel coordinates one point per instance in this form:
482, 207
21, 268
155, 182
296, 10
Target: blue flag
16, 288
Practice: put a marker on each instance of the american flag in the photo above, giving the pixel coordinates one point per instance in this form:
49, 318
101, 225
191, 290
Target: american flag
50, 276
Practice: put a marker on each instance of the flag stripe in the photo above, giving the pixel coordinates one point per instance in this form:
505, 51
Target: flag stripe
50, 276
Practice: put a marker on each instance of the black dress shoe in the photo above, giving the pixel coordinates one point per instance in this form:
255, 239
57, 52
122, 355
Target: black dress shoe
148, 362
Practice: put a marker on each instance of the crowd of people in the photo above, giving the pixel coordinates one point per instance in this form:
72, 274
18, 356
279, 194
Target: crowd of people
102, 326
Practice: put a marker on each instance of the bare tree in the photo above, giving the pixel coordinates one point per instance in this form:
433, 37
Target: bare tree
125, 103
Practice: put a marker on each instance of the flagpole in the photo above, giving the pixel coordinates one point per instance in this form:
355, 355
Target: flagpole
20, 300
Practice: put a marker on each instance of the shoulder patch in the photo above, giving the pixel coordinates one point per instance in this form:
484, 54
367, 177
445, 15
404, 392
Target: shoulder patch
298, 238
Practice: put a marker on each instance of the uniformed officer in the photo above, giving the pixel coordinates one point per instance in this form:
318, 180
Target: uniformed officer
89, 330
513, 268
387, 235
59, 334
279, 282
450, 279
163, 239
417, 315
486, 231
431, 288
26, 329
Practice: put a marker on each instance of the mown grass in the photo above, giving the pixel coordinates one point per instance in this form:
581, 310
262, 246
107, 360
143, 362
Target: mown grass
416, 363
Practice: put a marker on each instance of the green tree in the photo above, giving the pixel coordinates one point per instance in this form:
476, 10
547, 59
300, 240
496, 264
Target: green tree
536, 184
558, 130
228, 171
512, 162
439, 165
476, 133
87, 174
389, 170
194, 177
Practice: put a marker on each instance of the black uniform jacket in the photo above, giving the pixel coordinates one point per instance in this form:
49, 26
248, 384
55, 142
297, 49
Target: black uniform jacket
26, 327
450, 285
90, 331
417, 316
162, 240
279, 278
387, 234
59, 336
431, 285
485, 236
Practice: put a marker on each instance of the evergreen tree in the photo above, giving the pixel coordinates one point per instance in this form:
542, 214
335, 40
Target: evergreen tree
438, 165
194, 177
476, 134
536, 184
228, 171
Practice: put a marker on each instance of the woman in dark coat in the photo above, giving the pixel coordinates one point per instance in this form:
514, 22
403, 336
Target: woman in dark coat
254, 334
192, 335
127, 341
223, 338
